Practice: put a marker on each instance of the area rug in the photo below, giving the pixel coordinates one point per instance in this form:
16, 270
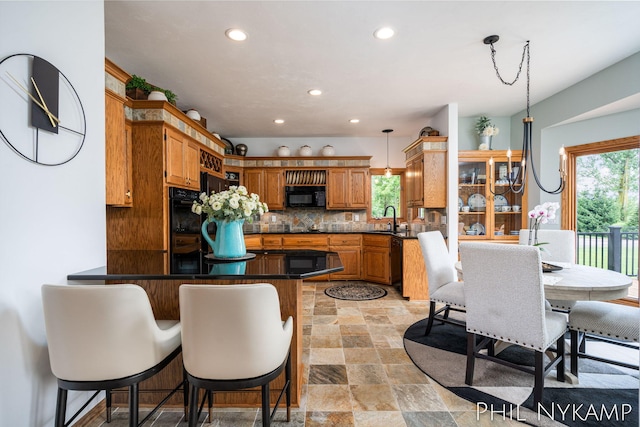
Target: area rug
605, 396
355, 292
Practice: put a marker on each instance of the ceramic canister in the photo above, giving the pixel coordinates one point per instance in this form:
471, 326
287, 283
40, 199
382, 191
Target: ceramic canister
306, 151
328, 151
283, 151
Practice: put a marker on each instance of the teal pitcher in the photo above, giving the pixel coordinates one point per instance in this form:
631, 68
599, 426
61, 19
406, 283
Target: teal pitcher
229, 241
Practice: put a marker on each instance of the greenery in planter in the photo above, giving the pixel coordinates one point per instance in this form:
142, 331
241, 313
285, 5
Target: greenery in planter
484, 127
138, 82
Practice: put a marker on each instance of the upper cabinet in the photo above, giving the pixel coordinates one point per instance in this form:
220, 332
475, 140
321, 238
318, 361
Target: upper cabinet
183, 160
426, 176
268, 184
348, 188
488, 209
118, 166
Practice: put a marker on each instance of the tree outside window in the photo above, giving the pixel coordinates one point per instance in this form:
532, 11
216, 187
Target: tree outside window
386, 192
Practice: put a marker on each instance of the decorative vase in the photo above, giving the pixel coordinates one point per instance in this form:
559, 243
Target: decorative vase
156, 95
283, 151
328, 151
194, 115
229, 241
485, 142
241, 150
306, 151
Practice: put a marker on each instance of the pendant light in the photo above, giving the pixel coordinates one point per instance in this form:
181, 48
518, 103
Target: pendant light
517, 178
387, 171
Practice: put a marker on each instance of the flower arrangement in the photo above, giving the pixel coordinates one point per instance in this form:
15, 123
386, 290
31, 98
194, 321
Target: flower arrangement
541, 214
229, 205
485, 128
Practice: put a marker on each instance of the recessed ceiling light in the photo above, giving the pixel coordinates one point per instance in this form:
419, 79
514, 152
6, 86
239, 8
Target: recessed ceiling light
354, 121
314, 92
384, 33
236, 34
278, 121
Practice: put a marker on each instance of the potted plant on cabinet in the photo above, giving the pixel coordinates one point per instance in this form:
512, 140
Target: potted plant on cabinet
137, 88
485, 130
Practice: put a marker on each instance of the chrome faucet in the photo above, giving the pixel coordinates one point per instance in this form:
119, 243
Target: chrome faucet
395, 219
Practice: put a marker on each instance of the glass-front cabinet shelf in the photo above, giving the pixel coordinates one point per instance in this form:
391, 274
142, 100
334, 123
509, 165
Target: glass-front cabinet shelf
487, 208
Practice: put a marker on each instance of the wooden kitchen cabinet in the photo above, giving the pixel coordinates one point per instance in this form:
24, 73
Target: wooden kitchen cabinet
348, 188
426, 177
306, 241
183, 160
376, 258
268, 184
118, 166
482, 191
253, 241
349, 249
415, 285
118, 162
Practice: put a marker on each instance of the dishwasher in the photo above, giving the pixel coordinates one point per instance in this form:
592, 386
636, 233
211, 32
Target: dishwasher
396, 263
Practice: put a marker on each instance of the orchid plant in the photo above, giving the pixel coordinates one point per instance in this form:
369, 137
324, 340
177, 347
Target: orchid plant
541, 214
230, 205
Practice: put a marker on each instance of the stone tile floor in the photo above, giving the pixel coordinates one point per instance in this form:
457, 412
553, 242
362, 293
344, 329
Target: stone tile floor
356, 373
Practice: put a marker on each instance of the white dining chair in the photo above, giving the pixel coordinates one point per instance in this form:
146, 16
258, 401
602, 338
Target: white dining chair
444, 288
233, 338
604, 321
103, 337
559, 246
505, 301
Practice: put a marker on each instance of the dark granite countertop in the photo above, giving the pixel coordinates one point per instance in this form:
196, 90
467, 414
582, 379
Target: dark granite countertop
400, 235
276, 264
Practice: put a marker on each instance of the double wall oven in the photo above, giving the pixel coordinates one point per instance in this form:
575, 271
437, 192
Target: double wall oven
186, 243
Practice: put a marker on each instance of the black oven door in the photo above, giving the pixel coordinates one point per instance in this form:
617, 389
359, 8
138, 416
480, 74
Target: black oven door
186, 263
305, 263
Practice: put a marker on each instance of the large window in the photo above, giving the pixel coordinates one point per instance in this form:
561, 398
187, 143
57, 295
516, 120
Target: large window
601, 201
386, 192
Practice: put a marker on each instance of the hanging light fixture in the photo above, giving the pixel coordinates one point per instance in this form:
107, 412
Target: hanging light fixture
517, 177
387, 171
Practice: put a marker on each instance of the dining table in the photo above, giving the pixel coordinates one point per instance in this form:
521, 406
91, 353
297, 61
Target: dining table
576, 282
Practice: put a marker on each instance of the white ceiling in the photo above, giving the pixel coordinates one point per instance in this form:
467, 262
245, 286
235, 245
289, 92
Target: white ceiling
437, 57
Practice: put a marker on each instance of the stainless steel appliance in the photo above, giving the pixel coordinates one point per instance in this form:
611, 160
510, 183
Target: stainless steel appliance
185, 236
305, 196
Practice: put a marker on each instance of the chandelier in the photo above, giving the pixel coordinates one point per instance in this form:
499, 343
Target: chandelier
517, 176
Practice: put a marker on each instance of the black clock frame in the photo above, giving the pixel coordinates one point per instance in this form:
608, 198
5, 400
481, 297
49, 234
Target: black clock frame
39, 119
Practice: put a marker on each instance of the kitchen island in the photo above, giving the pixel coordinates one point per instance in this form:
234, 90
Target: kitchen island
284, 269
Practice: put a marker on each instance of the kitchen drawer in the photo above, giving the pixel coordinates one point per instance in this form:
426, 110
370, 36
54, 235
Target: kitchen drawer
345, 239
309, 242
271, 242
382, 241
253, 241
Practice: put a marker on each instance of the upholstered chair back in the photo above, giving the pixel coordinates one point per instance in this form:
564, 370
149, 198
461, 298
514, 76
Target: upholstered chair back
560, 244
505, 293
102, 332
232, 331
440, 269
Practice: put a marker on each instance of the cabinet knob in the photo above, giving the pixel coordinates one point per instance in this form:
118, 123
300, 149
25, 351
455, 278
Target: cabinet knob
128, 194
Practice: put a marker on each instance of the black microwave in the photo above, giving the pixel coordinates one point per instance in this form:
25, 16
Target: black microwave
305, 197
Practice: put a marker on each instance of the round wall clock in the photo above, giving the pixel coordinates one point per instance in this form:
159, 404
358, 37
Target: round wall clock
42, 118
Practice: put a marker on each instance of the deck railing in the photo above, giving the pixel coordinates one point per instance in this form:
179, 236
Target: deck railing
614, 250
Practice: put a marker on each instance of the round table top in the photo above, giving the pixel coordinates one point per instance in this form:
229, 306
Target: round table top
577, 282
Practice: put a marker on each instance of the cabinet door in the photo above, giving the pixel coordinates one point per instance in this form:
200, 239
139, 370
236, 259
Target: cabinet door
475, 220
337, 191
417, 190
273, 189
191, 157
376, 266
435, 179
175, 157
358, 186
117, 154
254, 181
350, 258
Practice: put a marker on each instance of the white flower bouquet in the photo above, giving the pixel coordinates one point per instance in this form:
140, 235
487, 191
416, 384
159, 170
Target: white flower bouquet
485, 128
229, 205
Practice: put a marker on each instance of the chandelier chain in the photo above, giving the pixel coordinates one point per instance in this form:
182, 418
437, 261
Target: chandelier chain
525, 53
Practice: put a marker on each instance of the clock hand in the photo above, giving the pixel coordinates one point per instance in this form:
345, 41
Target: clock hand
31, 96
46, 108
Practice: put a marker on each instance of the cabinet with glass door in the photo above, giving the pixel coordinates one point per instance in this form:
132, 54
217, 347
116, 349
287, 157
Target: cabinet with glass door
489, 208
